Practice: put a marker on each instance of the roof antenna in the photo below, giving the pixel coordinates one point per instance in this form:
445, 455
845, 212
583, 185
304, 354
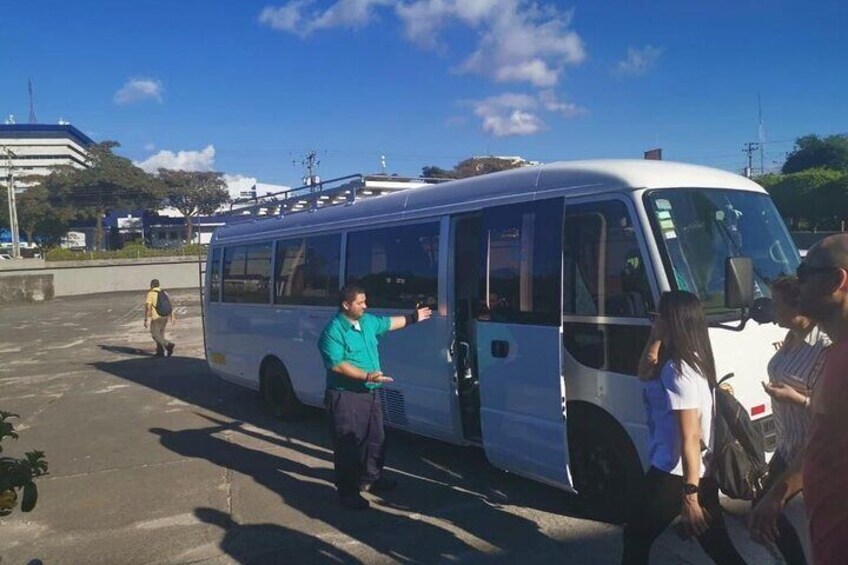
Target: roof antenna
32, 118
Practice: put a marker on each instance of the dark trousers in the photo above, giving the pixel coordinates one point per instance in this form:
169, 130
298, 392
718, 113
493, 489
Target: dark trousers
787, 542
356, 427
660, 505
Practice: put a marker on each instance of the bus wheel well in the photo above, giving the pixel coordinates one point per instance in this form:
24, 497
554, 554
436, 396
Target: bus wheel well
276, 390
605, 465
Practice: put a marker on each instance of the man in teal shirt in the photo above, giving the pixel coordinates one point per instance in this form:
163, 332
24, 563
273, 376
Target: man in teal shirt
348, 346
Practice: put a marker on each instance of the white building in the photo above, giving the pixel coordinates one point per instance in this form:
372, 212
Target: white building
34, 149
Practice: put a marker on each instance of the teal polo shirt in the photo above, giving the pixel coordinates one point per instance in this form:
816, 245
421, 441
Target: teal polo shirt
341, 341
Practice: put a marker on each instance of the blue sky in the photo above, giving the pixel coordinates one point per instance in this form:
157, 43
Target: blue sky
248, 87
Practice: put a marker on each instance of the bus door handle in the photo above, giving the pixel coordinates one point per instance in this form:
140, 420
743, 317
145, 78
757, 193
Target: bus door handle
500, 348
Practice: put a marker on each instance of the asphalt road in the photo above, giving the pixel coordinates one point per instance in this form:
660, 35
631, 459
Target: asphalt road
158, 461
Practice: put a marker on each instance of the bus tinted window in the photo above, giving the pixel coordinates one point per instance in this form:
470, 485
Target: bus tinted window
215, 276
308, 271
604, 268
247, 273
522, 246
398, 267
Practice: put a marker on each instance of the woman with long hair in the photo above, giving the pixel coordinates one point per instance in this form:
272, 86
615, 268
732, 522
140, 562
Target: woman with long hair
678, 370
793, 373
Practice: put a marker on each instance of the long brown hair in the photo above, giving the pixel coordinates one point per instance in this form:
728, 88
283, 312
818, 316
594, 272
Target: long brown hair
686, 336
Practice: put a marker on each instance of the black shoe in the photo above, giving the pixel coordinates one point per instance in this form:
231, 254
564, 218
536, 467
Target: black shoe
159, 352
354, 502
383, 484
170, 348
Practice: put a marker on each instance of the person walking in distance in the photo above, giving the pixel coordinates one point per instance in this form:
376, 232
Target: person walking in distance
678, 370
348, 347
159, 311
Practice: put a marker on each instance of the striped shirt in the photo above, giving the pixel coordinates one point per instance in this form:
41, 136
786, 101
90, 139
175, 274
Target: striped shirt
797, 364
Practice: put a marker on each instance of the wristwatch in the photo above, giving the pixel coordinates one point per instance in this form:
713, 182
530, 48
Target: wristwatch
689, 488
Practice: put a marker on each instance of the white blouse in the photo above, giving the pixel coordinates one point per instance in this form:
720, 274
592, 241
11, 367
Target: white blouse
798, 365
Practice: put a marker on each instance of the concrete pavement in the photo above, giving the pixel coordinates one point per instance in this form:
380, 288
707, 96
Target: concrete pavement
157, 461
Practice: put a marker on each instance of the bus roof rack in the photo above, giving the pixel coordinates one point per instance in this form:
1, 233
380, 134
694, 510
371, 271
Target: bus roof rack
309, 197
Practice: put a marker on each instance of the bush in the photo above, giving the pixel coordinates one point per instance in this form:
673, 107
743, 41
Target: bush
130, 251
17, 475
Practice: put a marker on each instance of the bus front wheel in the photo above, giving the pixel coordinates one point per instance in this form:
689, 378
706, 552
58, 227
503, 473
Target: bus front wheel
278, 396
606, 469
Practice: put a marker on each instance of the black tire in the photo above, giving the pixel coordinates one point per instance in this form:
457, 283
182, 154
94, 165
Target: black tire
278, 396
606, 469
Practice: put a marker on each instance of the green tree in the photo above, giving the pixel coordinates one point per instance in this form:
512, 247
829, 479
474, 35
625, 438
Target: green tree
36, 216
18, 475
109, 182
812, 152
432, 172
473, 167
810, 199
194, 193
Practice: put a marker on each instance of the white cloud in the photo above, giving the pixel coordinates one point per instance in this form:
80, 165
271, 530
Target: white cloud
203, 160
239, 185
522, 43
150, 146
519, 114
296, 17
551, 103
519, 40
638, 61
139, 90
284, 18
507, 114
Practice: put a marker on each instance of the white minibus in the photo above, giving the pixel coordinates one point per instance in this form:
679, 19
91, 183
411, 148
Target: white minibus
541, 281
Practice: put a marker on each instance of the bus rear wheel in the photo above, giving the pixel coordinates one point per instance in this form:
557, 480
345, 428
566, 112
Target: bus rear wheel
278, 396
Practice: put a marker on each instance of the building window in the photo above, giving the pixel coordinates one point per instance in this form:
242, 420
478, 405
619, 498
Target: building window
398, 267
308, 271
247, 274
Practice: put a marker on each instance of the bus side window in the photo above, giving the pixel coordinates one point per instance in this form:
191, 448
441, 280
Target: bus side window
604, 277
522, 260
605, 270
398, 266
247, 273
308, 271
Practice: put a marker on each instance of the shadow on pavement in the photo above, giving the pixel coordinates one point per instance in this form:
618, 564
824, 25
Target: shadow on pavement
124, 350
438, 481
245, 543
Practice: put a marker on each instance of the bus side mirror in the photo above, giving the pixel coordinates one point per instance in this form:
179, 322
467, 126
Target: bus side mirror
739, 283
762, 311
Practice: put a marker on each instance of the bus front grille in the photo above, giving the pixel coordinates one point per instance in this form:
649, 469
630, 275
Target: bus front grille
394, 408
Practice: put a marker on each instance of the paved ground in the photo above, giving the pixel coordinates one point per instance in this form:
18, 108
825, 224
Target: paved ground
157, 461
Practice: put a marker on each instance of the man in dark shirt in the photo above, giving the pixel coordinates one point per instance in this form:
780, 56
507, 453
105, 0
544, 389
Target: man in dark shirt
348, 347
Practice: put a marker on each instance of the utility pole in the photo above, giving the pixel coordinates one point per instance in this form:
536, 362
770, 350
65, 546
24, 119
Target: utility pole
13, 208
311, 163
750, 148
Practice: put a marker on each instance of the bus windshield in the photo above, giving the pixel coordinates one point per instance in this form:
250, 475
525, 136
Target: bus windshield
698, 229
